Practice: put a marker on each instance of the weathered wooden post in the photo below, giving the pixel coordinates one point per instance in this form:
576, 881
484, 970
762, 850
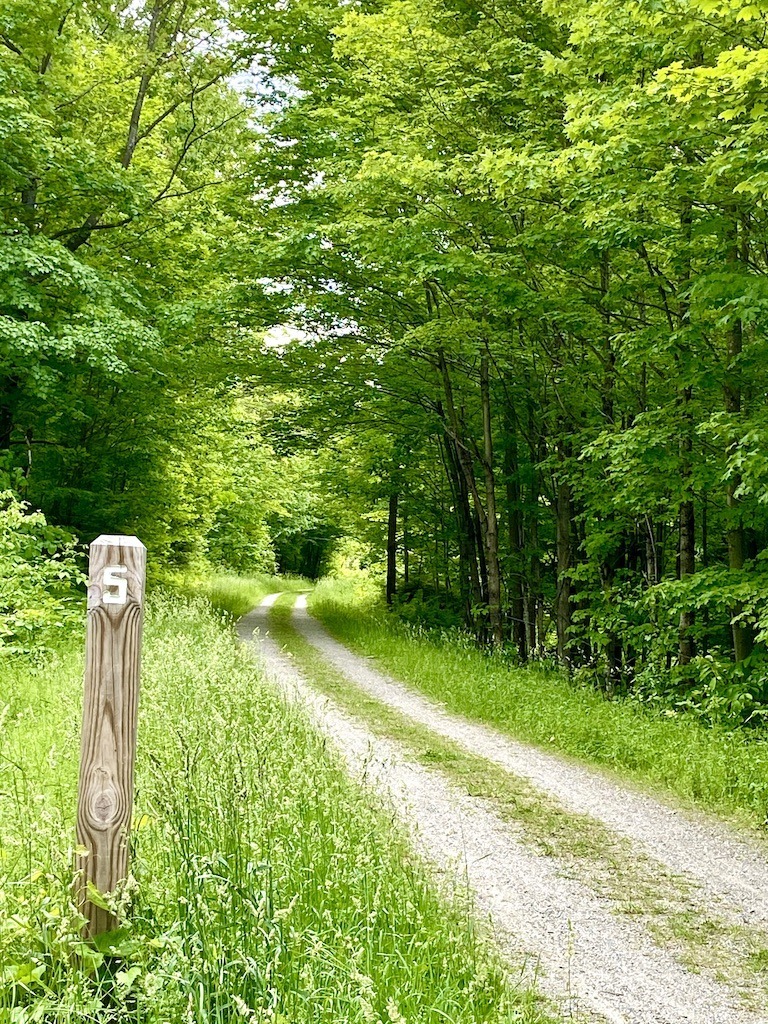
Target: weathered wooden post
117, 571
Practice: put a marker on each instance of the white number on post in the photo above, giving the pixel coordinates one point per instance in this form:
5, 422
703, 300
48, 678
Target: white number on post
114, 585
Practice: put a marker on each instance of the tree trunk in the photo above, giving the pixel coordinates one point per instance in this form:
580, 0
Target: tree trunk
743, 639
406, 552
83, 234
466, 466
534, 604
469, 577
686, 559
516, 541
651, 552
613, 646
687, 567
491, 533
392, 549
477, 539
564, 545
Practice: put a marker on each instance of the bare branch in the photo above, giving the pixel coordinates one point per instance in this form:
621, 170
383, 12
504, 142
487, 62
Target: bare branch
196, 90
197, 188
9, 43
79, 236
189, 142
45, 63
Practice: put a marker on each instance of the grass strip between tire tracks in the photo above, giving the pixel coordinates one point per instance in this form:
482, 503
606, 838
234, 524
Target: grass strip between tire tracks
631, 882
714, 767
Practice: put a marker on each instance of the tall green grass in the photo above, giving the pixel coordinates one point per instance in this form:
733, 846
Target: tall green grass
265, 887
237, 595
713, 767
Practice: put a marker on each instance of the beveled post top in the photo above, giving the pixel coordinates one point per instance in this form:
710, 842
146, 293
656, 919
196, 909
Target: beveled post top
115, 540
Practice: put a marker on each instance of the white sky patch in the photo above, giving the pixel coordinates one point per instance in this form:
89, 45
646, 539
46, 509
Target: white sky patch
281, 336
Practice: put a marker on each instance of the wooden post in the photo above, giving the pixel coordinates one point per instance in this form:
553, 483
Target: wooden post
117, 571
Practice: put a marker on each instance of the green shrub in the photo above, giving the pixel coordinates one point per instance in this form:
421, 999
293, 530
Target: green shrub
41, 583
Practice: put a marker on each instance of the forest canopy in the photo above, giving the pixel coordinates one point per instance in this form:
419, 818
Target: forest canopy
474, 291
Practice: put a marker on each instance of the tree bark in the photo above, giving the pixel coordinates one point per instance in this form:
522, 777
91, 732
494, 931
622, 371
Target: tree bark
487, 534
392, 548
406, 552
9, 387
491, 520
485, 553
469, 577
564, 544
687, 513
613, 646
534, 605
743, 638
687, 564
516, 541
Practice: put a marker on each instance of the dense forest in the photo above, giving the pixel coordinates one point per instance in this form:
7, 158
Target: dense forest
473, 292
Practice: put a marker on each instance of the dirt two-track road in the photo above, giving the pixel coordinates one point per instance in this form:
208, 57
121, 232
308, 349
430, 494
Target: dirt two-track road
595, 964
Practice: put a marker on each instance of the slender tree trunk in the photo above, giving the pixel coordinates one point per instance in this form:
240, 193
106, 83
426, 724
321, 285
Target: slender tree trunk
613, 645
651, 552
516, 541
564, 544
534, 604
487, 551
491, 518
533, 609
469, 577
29, 205
743, 639
687, 513
687, 553
82, 235
609, 355
406, 552
686, 532
477, 540
392, 548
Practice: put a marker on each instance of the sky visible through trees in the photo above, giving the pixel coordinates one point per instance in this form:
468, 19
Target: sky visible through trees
517, 253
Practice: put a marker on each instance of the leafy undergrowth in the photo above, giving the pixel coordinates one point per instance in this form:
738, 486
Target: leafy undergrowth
713, 767
265, 887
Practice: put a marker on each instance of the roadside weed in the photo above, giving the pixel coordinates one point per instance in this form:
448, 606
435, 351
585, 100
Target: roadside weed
264, 887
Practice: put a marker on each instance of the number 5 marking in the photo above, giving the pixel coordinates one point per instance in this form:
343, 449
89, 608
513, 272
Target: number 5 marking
114, 579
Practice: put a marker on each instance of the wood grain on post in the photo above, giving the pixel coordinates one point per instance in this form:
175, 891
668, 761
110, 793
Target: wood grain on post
117, 571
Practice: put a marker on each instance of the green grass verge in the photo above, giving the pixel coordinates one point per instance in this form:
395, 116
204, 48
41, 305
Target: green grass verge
585, 849
265, 886
710, 767
237, 595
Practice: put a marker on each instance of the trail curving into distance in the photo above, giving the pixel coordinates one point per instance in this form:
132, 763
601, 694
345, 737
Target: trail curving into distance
592, 963
726, 865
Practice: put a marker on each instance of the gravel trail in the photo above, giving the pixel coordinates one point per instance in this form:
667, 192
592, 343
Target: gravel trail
730, 869
588, 960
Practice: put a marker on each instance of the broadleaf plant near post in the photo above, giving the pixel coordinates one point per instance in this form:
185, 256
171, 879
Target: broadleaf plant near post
117, 572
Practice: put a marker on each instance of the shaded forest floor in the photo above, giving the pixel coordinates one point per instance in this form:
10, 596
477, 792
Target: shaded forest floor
629, 907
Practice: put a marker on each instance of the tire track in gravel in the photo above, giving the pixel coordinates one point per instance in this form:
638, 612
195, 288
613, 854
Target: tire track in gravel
584, 957
730, 869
